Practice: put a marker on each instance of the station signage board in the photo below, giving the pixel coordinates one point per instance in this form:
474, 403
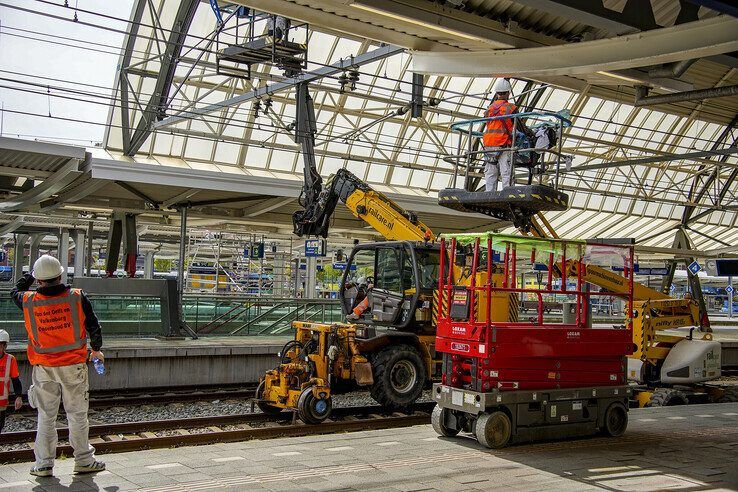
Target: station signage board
694, 267
314, 248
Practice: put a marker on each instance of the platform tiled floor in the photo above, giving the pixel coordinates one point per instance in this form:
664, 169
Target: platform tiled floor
683, 448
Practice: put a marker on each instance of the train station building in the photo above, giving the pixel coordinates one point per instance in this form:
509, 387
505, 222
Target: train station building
368, 245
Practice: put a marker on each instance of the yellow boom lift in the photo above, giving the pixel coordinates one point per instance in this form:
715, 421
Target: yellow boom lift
391, 349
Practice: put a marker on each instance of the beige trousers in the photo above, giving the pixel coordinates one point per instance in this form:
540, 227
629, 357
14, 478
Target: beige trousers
50, 386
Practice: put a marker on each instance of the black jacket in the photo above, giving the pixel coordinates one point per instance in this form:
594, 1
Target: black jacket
92, 325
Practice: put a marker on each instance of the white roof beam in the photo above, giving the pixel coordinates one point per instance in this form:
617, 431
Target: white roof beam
692, 40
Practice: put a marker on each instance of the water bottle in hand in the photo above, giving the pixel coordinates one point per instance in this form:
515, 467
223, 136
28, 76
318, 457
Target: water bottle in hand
99, 365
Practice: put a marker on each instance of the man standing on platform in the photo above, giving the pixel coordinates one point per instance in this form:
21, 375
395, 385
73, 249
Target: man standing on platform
8, 374
58, 319
498, 135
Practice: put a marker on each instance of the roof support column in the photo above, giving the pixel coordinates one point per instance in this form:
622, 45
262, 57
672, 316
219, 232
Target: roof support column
681, 241
34, 249
79, 252
18, 255
64, 254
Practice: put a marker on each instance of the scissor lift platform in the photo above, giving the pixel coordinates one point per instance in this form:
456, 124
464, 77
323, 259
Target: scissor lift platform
516, 204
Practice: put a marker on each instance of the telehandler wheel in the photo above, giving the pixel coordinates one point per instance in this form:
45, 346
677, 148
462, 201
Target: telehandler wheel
667, 397
313, 410
493, 430
438, 421
263, 406
399, 376
730, 395
616, 420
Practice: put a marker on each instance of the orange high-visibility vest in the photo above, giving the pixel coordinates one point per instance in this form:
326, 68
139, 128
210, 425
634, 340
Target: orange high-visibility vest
498, 133
362, 306
10, 367
56, 328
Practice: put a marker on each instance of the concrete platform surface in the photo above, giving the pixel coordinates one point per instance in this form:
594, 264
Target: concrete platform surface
156, 347
689, 447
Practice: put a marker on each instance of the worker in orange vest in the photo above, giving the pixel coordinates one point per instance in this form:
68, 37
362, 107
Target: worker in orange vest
363, 285
8, 374
498, 134
58, 319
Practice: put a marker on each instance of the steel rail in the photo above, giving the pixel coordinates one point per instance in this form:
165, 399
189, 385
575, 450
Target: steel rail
131, 438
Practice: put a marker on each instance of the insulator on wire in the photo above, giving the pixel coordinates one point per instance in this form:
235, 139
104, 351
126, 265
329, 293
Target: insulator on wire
343, 80
353, 77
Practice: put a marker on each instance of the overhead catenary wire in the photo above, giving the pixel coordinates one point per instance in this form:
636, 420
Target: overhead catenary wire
610, 181
399, 81
173, 31
670, 193
374, 88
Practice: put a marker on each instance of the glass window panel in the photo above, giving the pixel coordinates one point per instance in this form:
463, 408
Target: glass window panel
399, 176
419, 179
377, 172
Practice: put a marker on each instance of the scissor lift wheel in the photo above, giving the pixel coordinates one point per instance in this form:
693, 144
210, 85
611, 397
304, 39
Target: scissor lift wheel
438, 421
493, 430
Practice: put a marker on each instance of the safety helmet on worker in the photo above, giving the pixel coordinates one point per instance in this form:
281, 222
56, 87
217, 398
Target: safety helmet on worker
46, 268
502, 85
4, 336
361, 281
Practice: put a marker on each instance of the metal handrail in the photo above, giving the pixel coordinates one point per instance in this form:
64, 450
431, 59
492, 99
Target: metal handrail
465, 127
566, 122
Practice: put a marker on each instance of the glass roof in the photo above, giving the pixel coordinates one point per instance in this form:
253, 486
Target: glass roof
365, 131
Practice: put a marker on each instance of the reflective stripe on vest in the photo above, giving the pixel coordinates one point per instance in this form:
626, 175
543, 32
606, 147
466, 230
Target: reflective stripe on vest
499, 127
5, 380
73, 299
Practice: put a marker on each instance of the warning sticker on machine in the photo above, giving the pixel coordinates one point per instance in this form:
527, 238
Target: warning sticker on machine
553, 410
468, 398
577, 405
457, 398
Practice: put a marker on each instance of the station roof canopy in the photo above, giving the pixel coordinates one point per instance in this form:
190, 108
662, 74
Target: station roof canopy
641, 169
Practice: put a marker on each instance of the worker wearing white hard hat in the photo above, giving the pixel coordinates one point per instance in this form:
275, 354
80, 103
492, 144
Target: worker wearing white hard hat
498, 135
361, 303
8, 375
58, 320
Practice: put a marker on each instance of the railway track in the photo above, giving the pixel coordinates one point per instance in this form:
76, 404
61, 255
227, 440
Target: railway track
132, 436
106, 399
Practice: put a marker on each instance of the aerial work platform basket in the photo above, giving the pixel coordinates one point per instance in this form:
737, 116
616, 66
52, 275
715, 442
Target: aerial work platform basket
517, 203
239, 47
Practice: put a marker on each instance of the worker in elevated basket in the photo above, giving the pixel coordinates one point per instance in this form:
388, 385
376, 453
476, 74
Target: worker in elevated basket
58, 319
8, 374
498, 134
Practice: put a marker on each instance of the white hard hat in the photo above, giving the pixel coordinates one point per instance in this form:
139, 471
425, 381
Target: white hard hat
502, 85
4, 337
361, 280
46, 268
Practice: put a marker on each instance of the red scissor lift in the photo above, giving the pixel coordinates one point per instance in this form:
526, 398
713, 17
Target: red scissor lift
526, 380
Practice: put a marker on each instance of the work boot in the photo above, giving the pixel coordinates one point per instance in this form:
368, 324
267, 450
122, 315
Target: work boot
43, 471
94, 467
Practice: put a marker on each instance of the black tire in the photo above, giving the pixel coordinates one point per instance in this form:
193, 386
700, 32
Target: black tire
263, 406
730, 395
493, 430
438, 419
290, 345
313, 410
667, 397
399, 376
616, 420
